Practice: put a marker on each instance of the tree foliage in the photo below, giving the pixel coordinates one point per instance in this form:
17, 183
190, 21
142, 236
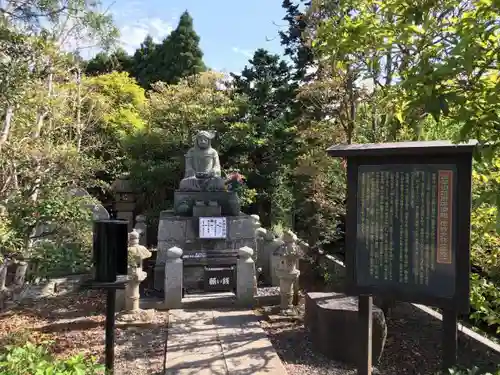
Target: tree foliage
433, 70
178, 56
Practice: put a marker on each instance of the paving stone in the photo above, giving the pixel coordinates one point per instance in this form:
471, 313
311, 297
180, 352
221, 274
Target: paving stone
219, 342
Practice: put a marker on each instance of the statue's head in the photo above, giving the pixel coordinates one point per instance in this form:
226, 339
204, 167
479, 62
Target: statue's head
204, 138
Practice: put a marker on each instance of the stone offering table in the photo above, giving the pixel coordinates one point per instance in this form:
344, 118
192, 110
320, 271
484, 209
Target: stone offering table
332, 322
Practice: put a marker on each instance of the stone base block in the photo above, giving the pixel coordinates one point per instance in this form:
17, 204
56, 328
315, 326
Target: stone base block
206, 211
332, 322
182, 232
227, 200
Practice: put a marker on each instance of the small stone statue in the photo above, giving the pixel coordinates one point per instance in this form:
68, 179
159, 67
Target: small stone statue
203, 170
136, 253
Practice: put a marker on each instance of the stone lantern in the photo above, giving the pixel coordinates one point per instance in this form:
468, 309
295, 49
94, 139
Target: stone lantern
125, 199
136, 253
288, 255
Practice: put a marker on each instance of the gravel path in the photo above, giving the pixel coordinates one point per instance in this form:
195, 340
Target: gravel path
412, 347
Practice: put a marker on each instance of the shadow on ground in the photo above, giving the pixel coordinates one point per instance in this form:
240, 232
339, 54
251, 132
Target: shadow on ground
413, 347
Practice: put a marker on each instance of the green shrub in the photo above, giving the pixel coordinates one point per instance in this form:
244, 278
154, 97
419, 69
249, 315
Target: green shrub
36, 360
485, 299
471, 371
55, 260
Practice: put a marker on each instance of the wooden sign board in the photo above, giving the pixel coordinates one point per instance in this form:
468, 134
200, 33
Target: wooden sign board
218, 279
408, 221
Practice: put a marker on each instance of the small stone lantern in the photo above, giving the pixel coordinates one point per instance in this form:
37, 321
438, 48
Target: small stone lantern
124, 199
136, 253
286, 269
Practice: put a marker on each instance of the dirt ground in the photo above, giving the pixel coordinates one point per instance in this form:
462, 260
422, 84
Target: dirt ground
413, 347
74, 323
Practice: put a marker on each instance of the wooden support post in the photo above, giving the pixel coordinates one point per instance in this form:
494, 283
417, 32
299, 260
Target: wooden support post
450, 339
365, 323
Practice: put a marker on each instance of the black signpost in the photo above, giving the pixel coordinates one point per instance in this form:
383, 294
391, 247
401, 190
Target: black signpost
407, 230
110, 248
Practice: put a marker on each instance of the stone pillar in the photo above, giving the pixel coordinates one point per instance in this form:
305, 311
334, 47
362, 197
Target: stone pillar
173, 278
132, 295
245, 276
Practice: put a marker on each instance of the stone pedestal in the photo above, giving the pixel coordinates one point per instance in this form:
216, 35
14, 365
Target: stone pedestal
132, 295
332, 322
245, 276
173, 278
287, 290
182, 232
185, 201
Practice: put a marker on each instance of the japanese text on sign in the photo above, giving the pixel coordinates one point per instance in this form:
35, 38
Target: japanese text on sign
405, 226
213, 227
219, 281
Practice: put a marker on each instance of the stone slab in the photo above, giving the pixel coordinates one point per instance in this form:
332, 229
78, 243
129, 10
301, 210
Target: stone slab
206, 211
228, 201
221, 341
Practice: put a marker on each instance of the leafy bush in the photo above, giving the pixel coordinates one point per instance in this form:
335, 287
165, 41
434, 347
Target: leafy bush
53, 260
472, 371
36, 360
485, 299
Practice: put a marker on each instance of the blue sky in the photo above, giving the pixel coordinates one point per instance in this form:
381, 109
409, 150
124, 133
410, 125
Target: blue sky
230, 30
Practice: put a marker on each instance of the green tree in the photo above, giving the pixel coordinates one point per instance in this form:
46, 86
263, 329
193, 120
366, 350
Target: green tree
294, 37
156, 154
265, 85
144, 62
435, 73
103, 63
40, 158
179, 55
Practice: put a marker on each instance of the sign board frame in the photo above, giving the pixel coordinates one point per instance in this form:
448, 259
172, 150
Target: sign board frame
220, 221
412, 153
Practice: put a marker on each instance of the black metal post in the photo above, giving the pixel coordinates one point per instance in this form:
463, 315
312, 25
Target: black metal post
365, 323
450, 339
110, 331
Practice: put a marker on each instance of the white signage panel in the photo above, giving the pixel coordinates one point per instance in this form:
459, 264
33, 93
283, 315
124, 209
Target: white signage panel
213, 227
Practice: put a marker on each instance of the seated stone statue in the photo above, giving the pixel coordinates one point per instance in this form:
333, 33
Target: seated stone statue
203, 171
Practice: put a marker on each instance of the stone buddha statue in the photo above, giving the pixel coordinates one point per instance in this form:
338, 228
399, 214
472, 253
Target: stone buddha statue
202, 171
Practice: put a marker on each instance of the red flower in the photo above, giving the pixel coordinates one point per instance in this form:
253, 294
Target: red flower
235, 176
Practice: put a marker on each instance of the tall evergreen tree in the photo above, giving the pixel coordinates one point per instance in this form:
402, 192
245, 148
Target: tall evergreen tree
293, 38
144, 62
180, 55
265, 84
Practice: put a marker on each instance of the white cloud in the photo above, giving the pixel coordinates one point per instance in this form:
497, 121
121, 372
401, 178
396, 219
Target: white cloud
132, 35
244, 52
